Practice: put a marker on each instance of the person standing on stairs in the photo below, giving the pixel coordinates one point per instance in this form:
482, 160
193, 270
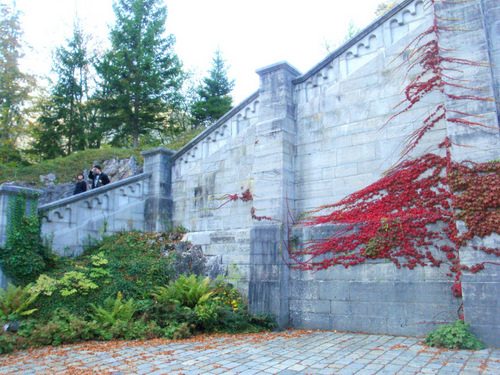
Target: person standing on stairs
98, 178
81, 185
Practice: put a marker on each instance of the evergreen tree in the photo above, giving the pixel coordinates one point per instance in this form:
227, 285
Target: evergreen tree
214, 100
141, 75
67, 120
71, 92
47, 140
15, 86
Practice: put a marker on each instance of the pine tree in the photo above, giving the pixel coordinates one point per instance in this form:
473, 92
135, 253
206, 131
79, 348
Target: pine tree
71, 92
46, 135
15, 86
214, 100
141, 75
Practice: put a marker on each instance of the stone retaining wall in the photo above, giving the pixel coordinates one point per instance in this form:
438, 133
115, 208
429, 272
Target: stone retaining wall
306, 140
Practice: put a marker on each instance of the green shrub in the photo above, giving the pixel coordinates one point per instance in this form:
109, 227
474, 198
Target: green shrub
130, 263
79, 279
15, 302
206, 307
138, 330
233, 315
112, 284
66, 328
177, 331
7, 342
215, 316
454, 336
73, 285
170, 314
114, 311
188, 291
62, 328
115, 321
137, 262
228, 295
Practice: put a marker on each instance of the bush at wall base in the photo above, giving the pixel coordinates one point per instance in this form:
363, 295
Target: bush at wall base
454, 336
108, 294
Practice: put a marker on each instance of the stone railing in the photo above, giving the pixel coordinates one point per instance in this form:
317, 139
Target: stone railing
72, 223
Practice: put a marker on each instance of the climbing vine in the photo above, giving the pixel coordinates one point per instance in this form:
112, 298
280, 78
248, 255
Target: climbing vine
24, 256
244, 197
427, 55
226, 198
410, 215
410, 218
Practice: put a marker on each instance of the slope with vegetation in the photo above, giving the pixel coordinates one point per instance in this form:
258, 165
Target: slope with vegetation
127, 286
66, 168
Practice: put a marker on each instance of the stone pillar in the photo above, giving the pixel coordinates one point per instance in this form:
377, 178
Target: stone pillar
7, 196
476, 39
158, 208
274, 191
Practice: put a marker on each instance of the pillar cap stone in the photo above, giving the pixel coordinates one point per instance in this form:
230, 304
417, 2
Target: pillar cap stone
157, 150
12, 189
278, 66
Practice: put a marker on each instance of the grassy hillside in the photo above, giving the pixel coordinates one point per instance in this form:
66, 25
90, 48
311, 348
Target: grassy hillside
66, 168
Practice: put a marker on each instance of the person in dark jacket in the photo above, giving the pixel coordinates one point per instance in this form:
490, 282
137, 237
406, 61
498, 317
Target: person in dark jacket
81, 185
98, 178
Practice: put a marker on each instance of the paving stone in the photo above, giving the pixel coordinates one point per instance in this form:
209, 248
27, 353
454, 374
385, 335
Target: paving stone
330, 353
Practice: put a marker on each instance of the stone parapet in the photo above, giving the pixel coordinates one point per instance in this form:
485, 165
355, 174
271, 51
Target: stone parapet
72, 223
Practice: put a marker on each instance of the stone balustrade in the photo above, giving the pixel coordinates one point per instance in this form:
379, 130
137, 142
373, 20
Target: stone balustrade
72, 223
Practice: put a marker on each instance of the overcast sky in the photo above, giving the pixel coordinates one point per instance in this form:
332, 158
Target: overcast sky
250, 34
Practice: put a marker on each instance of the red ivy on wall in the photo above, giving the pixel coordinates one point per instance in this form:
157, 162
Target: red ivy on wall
410, 215
244, 197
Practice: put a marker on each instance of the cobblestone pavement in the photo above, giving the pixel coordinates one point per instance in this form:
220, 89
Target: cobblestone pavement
285, 353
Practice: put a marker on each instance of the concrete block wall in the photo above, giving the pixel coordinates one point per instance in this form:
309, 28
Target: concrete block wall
374, 297
158, 209
308, 140
269, 286
481, 291
490, 10
477, 41
344, 142
218, 162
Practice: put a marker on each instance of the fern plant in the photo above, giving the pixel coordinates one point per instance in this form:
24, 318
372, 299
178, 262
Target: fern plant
454, 336
188, 291
14, 302
114, 310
